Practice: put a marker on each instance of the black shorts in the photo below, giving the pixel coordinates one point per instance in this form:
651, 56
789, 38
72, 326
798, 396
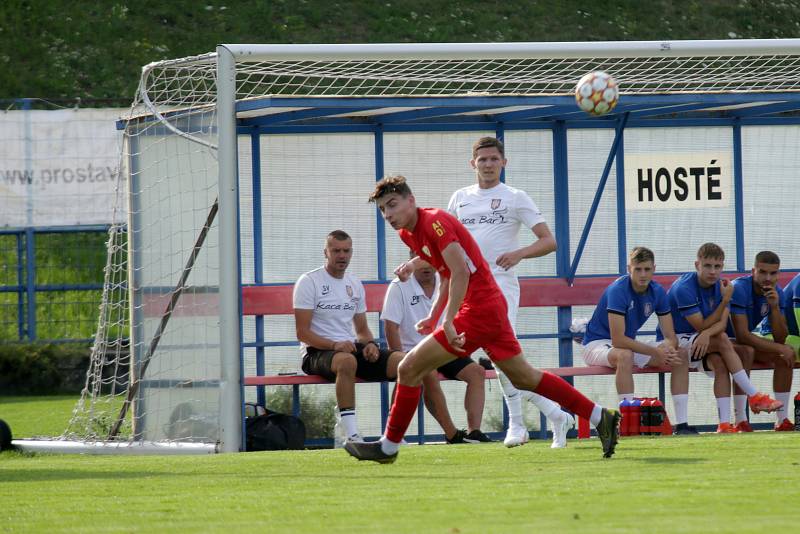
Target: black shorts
451, 369
318, 362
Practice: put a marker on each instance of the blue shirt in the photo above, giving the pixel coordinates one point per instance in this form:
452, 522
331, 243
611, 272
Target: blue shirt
687, 297
791, 305
745, 302
620, 298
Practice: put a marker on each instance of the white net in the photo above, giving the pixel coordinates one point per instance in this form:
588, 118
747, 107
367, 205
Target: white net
313, 183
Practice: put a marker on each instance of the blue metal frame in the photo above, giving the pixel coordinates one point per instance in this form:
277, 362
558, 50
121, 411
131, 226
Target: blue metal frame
738, 197
559, 115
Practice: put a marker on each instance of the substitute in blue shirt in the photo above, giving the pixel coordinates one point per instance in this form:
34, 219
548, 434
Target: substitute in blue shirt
757, 300
626, 304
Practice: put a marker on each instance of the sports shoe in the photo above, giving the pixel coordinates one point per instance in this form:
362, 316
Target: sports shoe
761, 402
476, 436
608, 431
516, 436
683, 429
458, 437
785, 426
726, 428
743, 426
355, 437
369, 450
560, 431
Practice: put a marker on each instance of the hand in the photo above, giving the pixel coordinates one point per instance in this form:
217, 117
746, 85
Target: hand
425, 326
786, 352
344, 346
727, 289
700, 345
508, 260
455, 339
772, 297
404, 271
371, 352
666, 355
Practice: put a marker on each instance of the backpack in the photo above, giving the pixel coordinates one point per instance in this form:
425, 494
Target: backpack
274, 432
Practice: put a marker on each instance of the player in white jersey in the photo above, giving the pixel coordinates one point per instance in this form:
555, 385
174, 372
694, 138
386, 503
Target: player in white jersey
328, 304
494, 213
405, 305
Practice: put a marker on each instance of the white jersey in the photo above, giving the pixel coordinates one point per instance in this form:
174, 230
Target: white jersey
494, 218
406, 304
334, 300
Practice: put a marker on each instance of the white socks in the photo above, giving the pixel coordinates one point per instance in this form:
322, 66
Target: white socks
785, 398
740, 407
724, 409
743, 381
596, 413
681, 403
348, 418
388, 446
514, 397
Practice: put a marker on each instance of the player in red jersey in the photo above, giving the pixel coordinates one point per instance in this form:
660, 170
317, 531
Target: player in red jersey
475, 316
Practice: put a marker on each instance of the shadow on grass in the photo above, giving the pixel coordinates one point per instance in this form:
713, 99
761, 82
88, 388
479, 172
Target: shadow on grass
667, 461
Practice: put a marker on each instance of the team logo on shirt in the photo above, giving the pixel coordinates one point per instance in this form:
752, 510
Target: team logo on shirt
325, 290
414, 299
349, 290
648, 308
438, 228
496, 203
426, 250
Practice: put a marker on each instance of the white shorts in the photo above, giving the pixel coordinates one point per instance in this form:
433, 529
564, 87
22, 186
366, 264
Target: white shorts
596, 353
509, 285
685, 341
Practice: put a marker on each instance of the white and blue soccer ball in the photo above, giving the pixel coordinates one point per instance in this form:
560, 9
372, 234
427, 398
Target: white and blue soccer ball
597, 93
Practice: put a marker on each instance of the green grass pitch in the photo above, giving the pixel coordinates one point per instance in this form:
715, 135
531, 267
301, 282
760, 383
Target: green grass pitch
730, 483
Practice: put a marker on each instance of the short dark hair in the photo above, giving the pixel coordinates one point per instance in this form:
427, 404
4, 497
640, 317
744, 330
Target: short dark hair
711, 251
488, 142
388, 185
641, 255
339, 235
768, 257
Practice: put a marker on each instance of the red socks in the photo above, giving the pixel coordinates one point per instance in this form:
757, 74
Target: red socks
557, 389
406, 400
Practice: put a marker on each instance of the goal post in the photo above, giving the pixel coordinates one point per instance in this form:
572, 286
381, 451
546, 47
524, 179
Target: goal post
262, 130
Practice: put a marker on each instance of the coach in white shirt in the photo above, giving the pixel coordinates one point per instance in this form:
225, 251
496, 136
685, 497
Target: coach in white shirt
328, 304
494, 213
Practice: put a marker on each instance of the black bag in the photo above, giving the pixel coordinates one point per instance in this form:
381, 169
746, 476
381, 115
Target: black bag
274, 432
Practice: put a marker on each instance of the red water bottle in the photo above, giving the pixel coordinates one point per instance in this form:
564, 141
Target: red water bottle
625, 410
636, 413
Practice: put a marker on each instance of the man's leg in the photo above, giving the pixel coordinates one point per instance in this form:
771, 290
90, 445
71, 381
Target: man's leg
622, 361
722, 391
344, 366
746, 355
474, 398
526, 377
436, 403
679, 387
781, 385
421, 360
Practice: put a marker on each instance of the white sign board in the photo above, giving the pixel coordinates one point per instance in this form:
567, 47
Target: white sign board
59, 167
661, 180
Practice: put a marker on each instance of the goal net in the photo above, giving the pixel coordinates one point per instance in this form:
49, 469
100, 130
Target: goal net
298, 133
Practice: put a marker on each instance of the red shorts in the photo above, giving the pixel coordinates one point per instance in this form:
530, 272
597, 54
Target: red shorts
485, 326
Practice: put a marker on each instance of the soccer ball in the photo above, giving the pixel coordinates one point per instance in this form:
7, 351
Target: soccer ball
596, 93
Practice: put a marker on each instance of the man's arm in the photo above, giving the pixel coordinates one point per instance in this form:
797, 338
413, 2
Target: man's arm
777, 321
720, 314
453, 255
616, 324
745, 337
668, 330
544, 244
392, 331
302, 325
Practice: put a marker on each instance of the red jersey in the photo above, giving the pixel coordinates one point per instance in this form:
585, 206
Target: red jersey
435, 229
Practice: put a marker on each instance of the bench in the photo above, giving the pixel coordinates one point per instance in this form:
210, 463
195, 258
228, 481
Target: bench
537, 292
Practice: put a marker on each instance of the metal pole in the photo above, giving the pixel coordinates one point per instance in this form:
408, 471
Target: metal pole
231, 418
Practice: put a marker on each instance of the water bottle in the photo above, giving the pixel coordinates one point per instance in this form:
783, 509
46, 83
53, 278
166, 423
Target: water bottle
625, 410
797, 412
656, 417
636, 413
646, 417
